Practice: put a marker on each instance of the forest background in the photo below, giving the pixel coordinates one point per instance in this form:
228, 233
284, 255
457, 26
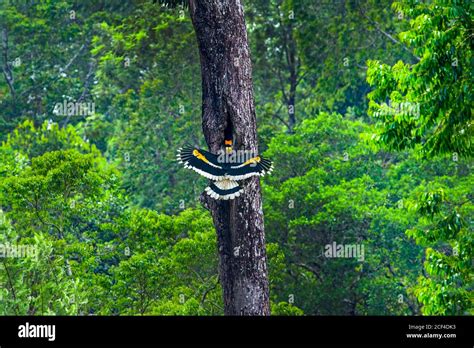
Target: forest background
365, 107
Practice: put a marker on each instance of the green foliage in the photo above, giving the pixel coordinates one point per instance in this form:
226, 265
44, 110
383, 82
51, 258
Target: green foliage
444, 228
317, 51
283, 308
430, 109
92, 254
321, 170
428, 103
97, 218
43, 65
152, 115
33, 141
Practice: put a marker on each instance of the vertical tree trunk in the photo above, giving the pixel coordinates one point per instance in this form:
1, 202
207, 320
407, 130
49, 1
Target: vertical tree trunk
228, 100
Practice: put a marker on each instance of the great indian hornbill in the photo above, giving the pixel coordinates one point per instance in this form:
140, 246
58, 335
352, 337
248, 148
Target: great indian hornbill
224, 171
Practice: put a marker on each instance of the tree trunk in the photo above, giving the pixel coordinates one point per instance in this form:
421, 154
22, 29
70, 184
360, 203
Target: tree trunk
227, 96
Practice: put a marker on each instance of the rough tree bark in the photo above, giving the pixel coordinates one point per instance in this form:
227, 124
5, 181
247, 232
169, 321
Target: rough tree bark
228, 101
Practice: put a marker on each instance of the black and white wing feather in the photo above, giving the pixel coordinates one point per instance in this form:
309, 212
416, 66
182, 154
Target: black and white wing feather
202, 162
256, 166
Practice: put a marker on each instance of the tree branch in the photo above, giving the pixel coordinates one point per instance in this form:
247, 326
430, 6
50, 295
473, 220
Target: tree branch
379, 28
7, 72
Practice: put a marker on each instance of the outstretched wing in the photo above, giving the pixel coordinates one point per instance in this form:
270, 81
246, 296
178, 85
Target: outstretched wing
202, 162
256, 166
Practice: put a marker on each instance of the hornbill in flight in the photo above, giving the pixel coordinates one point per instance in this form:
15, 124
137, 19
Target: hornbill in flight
224, 173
